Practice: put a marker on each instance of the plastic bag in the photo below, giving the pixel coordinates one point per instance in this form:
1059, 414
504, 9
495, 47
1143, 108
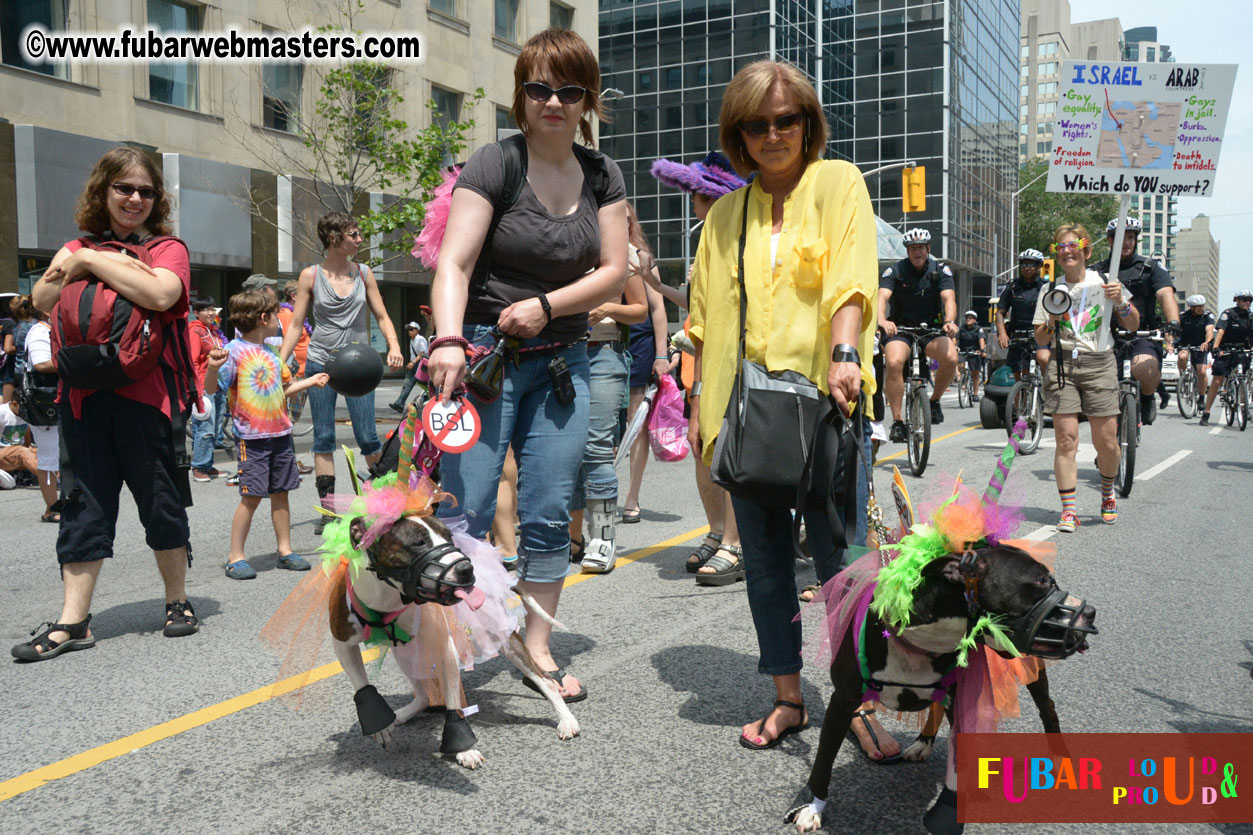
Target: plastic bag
667, 428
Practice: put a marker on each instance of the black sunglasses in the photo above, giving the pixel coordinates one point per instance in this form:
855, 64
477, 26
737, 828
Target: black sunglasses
539, 91
783, 124
126, 190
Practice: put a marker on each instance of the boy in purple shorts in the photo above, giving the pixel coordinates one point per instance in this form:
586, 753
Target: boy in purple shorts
257, 386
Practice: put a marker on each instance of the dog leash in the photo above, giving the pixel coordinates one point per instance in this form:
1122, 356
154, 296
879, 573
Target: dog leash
371, 620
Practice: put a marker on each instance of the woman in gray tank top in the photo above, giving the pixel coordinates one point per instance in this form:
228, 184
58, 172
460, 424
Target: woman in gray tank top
339, 290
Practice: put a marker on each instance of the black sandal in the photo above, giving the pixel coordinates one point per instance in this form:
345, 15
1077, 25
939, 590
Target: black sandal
761, 726
885, 759
577, 547
725, 572
180, 620
557, 675
41, 648
703, 553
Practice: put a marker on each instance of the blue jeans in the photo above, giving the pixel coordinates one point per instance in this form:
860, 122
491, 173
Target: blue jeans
548, 440
322, 412
202, 432
220, 416
596, 478
770, 571
410, 380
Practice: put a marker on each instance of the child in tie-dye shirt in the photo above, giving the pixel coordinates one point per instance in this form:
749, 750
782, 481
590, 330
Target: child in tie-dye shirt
257, 386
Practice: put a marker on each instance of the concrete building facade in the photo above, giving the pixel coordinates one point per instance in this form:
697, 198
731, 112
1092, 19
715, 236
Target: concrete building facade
1196, 263
224, 131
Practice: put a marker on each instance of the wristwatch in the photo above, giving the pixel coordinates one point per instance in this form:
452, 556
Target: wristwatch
845, 353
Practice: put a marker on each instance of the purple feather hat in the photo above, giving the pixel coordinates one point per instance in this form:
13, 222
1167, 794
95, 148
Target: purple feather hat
711, 177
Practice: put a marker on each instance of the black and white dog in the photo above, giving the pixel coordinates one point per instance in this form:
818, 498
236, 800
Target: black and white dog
413, 563
907, 669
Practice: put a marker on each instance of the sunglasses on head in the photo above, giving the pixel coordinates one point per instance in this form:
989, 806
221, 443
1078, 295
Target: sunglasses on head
126, 190
783, 124
539, 91
1082, 243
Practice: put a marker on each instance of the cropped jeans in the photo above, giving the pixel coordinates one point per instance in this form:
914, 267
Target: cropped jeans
202, 432
596, 478
548, 440
770, 569
322, 412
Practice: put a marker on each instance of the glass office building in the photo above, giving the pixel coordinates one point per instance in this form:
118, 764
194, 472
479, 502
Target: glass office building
900, 80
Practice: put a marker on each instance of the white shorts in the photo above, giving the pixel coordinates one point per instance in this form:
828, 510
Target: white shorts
48, 447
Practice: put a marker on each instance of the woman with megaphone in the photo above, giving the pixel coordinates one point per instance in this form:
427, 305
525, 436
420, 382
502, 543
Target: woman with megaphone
1083, 376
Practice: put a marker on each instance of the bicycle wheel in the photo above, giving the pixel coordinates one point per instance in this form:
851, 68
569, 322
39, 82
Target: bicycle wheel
1242, 404
1185, 392
1229, 402
1128, 417
964, 394
919, 425
298, 408
1024, 401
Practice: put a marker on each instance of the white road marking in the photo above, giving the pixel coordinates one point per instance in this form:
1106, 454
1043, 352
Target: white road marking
1040, 534
1216, 430
1171, 461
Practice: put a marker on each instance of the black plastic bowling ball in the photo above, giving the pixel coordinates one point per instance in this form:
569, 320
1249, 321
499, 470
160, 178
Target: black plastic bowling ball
355, 369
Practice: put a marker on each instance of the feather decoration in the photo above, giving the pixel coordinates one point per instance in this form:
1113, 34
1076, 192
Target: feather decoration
427, 243
992, 626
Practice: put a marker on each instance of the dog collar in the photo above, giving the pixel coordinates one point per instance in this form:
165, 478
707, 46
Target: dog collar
966, 565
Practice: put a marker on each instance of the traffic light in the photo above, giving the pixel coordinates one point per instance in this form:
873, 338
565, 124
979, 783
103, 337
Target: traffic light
914, 189
1046, 270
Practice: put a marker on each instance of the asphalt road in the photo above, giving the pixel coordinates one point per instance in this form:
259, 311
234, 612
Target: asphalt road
143, 736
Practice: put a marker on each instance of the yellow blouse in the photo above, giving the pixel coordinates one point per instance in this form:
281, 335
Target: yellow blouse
827, 255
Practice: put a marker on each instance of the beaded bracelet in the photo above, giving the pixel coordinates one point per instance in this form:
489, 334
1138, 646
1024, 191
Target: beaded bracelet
441, 341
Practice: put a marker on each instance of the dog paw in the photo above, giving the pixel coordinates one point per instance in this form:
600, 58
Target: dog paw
918, 750
471, 759
807, 820
384, 737
568, 728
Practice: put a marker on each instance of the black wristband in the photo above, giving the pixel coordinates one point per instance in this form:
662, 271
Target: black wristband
548, 308
845, 353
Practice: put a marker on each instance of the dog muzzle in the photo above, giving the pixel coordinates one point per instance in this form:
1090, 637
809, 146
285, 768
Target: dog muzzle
441, 574
1057, 626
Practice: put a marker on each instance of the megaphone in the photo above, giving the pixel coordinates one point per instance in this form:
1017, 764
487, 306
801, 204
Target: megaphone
1057, 301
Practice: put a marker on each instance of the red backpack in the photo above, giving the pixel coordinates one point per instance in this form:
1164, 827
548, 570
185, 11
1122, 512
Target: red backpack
100, 339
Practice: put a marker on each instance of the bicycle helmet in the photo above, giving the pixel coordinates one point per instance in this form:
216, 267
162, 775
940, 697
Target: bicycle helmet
1133, 225
917, 236
1031, 255
1242, 294
1196, 300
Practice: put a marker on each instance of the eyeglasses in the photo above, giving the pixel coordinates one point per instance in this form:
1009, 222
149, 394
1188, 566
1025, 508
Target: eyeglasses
126, 190
783, 124
539, 91
1082, 243
356, 233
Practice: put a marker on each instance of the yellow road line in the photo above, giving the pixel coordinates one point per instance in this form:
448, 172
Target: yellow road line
933, 441
142, 739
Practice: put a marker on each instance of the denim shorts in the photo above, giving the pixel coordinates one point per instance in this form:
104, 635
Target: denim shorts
548, 439
322, 412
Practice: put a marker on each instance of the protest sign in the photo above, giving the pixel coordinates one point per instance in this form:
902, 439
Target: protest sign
1140, 128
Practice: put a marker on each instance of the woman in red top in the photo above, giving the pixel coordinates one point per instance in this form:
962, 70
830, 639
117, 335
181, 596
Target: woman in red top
122, 435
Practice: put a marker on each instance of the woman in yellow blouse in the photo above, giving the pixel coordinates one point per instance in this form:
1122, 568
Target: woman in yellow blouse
810, 264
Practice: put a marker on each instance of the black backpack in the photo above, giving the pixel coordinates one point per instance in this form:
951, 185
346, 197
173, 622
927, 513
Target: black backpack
513, 152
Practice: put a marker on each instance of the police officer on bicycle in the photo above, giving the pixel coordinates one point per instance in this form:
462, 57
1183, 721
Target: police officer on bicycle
1197, 330
920, 291
1233, 332
972, 348
1016, 308
1150, 285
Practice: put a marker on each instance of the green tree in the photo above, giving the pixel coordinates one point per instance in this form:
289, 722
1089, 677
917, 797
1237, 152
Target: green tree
353, 141
1040, 212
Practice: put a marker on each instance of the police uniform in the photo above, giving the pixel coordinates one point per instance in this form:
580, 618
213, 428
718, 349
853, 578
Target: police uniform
1237, 328
968, 342
1193, 333
1017, 304
1143, 277
915, 295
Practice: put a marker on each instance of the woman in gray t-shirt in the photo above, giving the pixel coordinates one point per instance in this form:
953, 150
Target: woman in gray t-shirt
557, 252
338, 290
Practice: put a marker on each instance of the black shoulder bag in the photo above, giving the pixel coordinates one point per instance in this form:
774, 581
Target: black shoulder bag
765, 437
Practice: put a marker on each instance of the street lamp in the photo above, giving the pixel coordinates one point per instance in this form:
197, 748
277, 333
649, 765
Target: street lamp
1013, 216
